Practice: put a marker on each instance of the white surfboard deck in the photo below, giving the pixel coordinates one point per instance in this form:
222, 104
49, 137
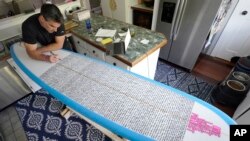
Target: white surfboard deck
157, 117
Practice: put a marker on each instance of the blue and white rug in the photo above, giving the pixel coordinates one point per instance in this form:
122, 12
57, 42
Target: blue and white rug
40, 116
183, 81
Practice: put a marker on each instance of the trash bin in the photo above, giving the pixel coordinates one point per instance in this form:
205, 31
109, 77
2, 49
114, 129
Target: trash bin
242, 77
232, 91
243, 65
229, 93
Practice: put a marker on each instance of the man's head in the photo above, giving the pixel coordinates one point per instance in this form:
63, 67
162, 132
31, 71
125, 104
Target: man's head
51, 18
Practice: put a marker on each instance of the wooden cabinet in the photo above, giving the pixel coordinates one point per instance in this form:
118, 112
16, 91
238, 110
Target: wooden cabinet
142, 16
142, 19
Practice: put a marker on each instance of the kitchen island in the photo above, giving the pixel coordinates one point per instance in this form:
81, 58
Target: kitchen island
139, 58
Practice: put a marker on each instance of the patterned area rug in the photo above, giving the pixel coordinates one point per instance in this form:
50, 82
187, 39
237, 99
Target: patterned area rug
40, 116
183, 81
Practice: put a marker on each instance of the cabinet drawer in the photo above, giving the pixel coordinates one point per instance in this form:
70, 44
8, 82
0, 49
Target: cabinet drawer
81, 46
95, 52
115, 62
85, 48
140, 68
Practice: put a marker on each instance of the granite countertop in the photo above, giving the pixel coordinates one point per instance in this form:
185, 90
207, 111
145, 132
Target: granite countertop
136, 50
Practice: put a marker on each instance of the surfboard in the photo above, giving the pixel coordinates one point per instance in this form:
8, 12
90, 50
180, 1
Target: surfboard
127, 104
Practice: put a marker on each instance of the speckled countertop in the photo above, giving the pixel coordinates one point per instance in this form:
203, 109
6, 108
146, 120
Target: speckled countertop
136, 50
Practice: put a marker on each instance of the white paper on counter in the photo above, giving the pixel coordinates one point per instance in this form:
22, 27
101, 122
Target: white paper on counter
105, 33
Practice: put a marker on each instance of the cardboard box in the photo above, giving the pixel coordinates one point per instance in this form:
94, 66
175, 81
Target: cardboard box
81, 15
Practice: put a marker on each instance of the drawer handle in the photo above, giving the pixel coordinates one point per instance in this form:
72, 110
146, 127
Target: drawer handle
93, 51
78, 42
244, 13
85, 54
114, 64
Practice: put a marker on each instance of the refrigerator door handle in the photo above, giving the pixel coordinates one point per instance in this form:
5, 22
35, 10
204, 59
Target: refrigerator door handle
174, 19
179, 19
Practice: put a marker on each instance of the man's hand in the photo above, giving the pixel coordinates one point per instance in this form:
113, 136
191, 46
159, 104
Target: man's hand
54, 58
35, 53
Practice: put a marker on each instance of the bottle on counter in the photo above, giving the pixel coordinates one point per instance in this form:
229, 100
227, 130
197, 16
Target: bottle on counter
88, 25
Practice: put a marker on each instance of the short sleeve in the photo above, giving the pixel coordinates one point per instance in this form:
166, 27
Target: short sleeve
28, 34
60, 31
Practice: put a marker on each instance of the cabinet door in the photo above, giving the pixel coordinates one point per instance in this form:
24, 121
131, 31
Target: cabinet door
143, 19
141, 68
86, 49
152, 63
115, 62
94, 52
81, 46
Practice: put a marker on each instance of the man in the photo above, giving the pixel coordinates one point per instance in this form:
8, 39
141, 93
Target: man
45, 29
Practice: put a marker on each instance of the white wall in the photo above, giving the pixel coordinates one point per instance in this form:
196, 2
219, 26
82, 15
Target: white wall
123, 11
11, 26
155, 14
3, 8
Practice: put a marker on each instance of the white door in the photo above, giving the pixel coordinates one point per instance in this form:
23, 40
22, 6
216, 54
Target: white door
235, 39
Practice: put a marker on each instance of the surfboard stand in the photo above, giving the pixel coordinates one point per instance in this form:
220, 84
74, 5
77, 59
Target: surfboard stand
66, 113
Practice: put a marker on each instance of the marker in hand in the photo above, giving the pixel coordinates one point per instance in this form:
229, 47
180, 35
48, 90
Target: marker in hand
54, 57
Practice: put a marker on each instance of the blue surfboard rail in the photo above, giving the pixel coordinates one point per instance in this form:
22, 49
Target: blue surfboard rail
106, 123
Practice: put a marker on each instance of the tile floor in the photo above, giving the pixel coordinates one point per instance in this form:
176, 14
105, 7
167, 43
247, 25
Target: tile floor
10, 125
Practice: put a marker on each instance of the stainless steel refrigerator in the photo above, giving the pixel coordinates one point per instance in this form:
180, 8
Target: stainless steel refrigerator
186, 24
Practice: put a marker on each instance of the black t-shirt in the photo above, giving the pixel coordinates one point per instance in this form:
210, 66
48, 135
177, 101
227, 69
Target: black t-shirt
33, 32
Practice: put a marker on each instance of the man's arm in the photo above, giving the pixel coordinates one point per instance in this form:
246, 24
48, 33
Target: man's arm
34, 53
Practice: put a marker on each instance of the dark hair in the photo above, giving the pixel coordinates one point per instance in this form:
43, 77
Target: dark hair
51, 12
